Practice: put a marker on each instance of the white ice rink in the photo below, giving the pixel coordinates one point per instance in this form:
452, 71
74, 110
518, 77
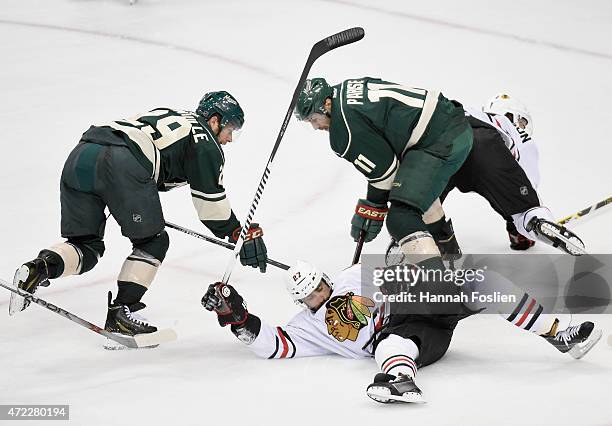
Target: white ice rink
66, 64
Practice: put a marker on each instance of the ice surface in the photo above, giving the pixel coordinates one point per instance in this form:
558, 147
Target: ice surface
69, 63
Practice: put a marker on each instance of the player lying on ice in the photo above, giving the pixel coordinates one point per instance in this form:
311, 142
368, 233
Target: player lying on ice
338, 319
123, 165
502, 167
413, 145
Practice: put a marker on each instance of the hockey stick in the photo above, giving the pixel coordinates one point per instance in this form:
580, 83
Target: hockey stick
360, 242
219, 242
138, 341
585, 212
320, 48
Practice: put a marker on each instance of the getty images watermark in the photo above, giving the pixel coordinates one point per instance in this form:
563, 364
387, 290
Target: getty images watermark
490, 283
396, 285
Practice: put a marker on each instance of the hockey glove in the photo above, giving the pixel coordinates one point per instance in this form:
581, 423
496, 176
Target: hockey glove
368, 217
227, 304
517, 240
253, 251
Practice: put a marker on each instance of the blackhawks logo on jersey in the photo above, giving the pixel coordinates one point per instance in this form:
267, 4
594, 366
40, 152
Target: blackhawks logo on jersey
346, 315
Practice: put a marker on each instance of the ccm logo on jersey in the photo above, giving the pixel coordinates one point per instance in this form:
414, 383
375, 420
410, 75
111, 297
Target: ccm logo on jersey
371, 212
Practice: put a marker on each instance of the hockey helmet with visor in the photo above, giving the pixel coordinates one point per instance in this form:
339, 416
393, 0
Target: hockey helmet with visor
312, 99
226, 107
302, 281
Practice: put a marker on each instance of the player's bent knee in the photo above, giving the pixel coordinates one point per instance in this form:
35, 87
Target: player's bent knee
156, 246
75, 256
91, 249
141, 265
403, 220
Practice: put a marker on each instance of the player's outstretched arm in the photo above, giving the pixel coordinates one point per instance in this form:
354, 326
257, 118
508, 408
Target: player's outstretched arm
264, 340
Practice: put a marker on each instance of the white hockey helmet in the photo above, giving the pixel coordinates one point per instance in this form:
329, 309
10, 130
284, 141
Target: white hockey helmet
302, 279
515, 110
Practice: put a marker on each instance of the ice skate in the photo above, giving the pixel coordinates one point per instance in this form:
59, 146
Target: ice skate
27, 278
387, 388
557, 235
123, 320
576, 340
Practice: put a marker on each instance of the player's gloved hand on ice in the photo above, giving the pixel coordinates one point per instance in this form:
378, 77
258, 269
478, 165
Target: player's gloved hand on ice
368, 217
227, 304
443, 233
517, 240
253, 252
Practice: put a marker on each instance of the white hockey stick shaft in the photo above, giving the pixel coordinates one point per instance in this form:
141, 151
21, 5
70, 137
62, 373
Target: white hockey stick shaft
323, 46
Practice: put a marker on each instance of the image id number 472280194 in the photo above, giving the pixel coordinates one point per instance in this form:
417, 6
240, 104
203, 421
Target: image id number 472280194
34, 412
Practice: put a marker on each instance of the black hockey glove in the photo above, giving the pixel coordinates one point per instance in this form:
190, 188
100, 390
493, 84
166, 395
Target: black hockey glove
227, 304
253, 251
368, 217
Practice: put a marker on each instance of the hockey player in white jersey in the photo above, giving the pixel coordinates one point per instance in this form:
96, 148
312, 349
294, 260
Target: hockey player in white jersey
515, 125
506, 178
338, 319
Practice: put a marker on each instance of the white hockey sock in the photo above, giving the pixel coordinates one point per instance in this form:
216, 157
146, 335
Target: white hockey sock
522, 219
396, 355
71, 256
529, 315
419, 246
140, 267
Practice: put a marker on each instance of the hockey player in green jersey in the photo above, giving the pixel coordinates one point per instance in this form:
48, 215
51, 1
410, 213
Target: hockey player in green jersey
406, 141
122, 165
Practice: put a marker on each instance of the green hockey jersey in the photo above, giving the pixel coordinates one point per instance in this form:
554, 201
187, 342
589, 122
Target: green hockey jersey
176, 148
374, 123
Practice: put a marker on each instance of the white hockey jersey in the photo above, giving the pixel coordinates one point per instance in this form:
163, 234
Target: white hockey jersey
343, 325
520, 144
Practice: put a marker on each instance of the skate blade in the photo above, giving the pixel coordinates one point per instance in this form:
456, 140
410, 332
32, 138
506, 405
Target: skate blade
111, 345
18, 303
383, 395
583, 348
552, 231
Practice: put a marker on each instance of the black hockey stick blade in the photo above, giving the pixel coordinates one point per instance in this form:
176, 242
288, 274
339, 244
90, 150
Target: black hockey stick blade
218, 242
138, 341
344, 37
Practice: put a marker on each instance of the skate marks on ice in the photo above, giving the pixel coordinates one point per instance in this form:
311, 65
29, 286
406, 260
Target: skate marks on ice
151, 42
473, 29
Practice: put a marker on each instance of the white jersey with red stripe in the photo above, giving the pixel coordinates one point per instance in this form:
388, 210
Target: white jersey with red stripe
343, 325
520, 144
